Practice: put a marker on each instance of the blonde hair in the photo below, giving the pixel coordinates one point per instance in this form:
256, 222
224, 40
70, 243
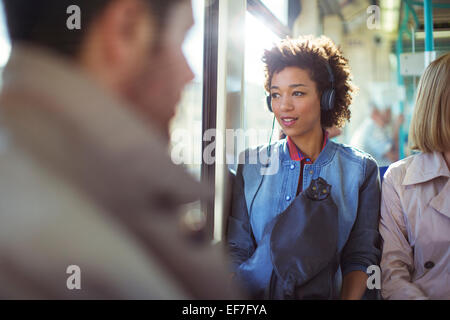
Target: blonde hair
430, 125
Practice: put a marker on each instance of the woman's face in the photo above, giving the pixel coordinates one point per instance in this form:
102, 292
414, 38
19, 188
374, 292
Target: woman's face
295, 101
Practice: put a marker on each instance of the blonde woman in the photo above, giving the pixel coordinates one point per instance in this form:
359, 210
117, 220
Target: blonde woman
415, 209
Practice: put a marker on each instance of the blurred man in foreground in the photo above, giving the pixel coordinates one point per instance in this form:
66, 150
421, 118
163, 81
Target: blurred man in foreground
89, 197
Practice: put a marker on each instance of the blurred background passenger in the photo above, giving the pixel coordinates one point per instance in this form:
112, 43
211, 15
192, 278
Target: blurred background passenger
375, 136
334, 132
415, 209
89, 197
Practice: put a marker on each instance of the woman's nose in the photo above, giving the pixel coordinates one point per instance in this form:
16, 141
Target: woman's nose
286, 104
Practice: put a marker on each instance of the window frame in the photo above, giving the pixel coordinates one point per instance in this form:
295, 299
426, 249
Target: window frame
210, 85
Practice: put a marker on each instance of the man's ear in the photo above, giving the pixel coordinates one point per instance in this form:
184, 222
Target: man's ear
126, 31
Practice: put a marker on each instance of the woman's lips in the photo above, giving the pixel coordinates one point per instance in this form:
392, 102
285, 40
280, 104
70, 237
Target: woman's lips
288, 121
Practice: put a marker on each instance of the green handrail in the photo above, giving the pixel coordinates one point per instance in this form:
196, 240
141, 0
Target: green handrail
435, 5
429, 47
400, 80
410, 3
428, 15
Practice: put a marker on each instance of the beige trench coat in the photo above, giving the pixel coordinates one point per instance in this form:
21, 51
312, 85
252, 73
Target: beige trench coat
415, 227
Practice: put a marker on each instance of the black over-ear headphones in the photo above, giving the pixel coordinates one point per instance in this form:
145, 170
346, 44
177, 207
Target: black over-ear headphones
327, 99
329, 95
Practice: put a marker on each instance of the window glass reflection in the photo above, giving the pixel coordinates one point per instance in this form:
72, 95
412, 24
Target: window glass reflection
256, 115
186, 127
279, 8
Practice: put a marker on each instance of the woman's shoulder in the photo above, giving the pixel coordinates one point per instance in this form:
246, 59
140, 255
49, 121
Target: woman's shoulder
396, 172
355, 154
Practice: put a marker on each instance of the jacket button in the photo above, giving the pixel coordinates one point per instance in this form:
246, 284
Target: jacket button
288, 198
429, 264
311, 172
292, 166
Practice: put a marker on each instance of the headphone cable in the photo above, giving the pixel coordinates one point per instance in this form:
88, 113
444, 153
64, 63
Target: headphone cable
271, 134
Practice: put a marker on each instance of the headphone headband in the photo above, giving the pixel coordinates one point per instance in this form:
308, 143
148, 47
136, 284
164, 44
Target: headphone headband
330, 74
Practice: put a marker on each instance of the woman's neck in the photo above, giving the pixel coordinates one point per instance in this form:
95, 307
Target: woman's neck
310, 143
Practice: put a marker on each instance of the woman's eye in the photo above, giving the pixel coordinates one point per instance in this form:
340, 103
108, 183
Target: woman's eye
275, 95
297, 93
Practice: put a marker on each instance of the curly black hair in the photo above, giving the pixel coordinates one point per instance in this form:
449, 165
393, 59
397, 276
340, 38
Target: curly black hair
312, 54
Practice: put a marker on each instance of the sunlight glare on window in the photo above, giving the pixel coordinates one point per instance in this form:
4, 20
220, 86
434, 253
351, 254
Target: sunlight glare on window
258, 38
279, 8
5, 45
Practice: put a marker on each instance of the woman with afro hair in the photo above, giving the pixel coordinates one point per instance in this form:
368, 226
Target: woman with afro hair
305, 210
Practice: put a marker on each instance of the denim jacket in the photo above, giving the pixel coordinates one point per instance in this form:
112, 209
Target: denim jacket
265, 184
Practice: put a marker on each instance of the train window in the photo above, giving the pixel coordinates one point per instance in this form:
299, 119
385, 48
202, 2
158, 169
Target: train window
5, 46
279, 8
257, 118
262, 32
186, 127
5, 50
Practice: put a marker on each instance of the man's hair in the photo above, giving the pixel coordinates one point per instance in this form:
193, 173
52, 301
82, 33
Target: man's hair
312, 54
43, 22
430, 129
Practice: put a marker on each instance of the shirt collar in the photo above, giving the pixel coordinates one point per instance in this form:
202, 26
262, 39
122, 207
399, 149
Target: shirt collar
425, 167
295, 152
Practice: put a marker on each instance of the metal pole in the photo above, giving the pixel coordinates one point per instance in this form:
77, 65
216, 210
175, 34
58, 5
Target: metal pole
413, 12
413, 47
430, 54
210, 62
400, 81
436, 5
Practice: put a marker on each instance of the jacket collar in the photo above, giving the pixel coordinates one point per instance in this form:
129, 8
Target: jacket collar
73, 125
324, 157
425, 167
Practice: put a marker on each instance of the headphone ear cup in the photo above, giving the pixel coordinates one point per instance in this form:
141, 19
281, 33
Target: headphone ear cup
269, 103
332, 99
327, 100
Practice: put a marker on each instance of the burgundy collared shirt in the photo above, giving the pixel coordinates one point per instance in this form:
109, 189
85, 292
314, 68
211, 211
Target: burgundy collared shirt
297, 155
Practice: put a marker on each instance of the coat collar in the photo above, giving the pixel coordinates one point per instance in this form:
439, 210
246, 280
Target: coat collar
441, 202
425, 167
76, 127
